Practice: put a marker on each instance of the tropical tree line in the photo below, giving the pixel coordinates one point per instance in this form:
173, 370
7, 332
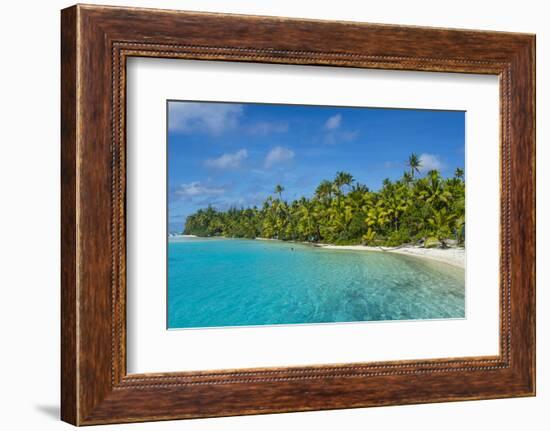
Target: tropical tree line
416, 209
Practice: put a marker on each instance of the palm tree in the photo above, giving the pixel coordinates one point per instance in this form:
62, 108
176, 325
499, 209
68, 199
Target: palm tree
342, 179
408, 178
414, 163
441, 222
376, 218
435, 192
279, 189
369, 236
459, 228
401, 211
307, 223
360, 188
324, 190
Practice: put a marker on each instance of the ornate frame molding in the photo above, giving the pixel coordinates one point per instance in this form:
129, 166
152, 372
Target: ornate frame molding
96, 41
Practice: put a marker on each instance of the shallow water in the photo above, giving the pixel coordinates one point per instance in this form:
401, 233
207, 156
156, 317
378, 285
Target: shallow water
232, 282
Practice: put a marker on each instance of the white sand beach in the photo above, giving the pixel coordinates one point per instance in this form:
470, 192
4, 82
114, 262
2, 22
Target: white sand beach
454, 256
178, 235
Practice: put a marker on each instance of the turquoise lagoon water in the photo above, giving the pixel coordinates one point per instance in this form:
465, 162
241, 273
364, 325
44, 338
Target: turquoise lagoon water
232, 282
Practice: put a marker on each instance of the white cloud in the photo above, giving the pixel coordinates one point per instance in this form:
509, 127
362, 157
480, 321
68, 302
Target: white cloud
430, 161
228, 160
277, 155
213, 118
333, 122
266, 128
334, 132
197, 189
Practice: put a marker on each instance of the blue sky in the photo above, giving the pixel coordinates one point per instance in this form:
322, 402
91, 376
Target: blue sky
227, 154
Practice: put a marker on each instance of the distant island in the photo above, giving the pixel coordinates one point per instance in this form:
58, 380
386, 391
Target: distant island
414, 209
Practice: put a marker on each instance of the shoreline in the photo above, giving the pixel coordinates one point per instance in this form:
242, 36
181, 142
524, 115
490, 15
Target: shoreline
454, 256
451, 256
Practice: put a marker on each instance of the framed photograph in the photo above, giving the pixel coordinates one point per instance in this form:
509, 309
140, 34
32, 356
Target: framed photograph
267, 215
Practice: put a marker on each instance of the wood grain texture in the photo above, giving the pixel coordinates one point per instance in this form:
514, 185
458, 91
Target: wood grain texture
69, 367
96, 41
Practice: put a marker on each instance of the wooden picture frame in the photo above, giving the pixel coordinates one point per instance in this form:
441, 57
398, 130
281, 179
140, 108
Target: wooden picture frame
95, 43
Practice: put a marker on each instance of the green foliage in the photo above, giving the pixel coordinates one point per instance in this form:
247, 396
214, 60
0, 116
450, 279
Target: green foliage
414, 164
431, 242
369, 236
343, 212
